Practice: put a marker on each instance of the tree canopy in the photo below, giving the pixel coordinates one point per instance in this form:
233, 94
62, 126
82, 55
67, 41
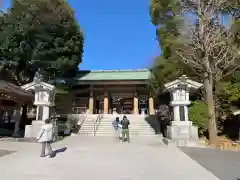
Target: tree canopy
167, 67
40, 34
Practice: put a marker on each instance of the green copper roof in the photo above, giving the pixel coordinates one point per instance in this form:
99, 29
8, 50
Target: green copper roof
113, 75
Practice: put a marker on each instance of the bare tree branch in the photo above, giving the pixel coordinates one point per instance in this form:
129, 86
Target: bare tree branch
207, 44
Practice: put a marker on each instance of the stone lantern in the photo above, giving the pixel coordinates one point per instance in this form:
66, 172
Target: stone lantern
44, 96
44, 100
181, 131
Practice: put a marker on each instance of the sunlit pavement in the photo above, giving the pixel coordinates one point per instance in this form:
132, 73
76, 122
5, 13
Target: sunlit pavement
101, 158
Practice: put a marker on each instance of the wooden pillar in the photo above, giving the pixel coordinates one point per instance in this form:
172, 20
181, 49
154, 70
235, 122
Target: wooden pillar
135, 104
151, 105
91, 103
105, 107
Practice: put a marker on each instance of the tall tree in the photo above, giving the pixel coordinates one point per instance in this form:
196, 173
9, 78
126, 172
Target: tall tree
40, 34
205, 45
208, 48
166, 67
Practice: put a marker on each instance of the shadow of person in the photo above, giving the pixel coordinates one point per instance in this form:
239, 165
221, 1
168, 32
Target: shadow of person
61, 150
54, 154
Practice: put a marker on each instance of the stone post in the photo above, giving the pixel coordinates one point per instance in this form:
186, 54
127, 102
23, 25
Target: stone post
186, 113
105, 108
46, 113
135, 104
176, 114
37, 113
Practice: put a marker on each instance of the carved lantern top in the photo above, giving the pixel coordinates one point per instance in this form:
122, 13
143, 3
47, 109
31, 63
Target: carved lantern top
38, 86
180, 88
44, 92
182, 83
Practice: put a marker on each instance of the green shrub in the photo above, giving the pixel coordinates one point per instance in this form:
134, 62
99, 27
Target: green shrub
198, 114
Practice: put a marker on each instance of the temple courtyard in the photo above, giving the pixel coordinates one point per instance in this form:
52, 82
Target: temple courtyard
103, 158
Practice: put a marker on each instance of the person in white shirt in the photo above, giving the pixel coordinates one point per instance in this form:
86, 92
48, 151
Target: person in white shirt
45, 137
115, 125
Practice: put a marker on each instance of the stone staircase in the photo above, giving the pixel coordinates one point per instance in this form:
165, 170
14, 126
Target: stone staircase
87, 125
138, 126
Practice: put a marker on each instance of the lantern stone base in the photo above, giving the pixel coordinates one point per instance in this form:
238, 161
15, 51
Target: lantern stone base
31, 131
182, 133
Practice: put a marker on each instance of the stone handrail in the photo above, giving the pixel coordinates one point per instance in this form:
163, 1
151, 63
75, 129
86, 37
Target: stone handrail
80, 123
97, 122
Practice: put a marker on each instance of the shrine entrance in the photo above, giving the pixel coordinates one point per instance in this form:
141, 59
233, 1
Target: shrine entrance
110, 92
122, 103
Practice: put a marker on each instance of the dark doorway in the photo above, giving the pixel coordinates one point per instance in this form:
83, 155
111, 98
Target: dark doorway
127, 105
182, 113
40, 113
97, 106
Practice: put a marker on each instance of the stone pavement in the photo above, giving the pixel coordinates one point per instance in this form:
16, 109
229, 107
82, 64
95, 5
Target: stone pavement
101, 158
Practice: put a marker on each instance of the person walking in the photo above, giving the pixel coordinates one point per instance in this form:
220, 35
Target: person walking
45, 137
115, 125
125, 129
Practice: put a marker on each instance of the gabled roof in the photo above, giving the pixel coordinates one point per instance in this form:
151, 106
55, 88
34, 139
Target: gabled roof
113, 75
13, 90
180, 81
32, 85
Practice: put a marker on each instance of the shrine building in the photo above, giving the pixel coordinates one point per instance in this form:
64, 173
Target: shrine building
112, 91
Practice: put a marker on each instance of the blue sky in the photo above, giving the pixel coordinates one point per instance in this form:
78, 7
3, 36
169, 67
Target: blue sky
118, 34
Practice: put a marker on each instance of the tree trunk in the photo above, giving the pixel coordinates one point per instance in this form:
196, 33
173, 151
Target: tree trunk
211, 108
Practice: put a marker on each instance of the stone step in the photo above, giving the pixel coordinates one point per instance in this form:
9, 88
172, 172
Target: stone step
108, 125
130, 123
144, 131
110, 130
131, 128
138, 127
137, 124
130, 133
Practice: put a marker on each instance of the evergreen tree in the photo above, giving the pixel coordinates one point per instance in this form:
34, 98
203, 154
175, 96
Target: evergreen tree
40, 34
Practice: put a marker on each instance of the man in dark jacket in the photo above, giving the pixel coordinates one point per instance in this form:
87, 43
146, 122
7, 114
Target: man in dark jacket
125, 129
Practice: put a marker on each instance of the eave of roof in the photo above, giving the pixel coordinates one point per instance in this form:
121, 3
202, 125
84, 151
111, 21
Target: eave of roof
20, 94
113, 75
11, 88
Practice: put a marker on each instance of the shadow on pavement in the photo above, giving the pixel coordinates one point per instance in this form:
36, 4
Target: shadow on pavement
61, 150
5, 152
223, 164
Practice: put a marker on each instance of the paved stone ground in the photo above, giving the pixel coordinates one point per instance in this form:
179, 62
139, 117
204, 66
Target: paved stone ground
225, 165
101, 158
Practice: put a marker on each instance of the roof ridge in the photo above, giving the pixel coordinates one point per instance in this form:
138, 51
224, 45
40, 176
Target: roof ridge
120, 70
